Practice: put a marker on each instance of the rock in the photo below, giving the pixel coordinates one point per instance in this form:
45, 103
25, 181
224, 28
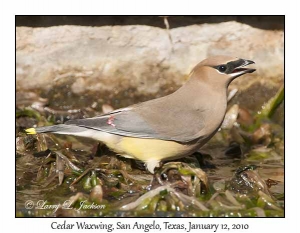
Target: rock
143, 60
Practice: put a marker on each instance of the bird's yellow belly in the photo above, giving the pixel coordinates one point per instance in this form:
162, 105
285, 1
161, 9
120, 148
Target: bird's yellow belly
151, 149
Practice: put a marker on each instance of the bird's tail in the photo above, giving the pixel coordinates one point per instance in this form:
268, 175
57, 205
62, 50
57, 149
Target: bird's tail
59, 129
75, 130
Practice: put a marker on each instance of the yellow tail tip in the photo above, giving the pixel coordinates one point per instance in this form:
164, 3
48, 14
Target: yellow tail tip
30, 131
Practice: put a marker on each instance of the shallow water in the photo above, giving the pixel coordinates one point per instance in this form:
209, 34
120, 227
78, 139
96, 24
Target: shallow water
37, 180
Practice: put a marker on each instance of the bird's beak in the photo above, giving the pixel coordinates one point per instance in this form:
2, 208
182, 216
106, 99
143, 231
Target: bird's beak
240, 70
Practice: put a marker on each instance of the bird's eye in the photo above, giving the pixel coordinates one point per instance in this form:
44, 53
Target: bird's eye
222, 68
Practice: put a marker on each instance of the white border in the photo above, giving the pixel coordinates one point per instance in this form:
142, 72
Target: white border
7, 64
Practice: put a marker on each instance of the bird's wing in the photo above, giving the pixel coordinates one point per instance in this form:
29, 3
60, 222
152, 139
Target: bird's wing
148, 120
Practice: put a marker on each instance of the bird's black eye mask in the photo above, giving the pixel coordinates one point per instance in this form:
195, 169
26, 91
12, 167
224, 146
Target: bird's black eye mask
232, 66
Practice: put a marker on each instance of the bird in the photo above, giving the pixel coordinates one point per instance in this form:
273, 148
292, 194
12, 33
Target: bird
169, 127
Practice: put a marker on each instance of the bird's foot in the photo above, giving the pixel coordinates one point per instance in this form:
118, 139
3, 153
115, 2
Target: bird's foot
181, 175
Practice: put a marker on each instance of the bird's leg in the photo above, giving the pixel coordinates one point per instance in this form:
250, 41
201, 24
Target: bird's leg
193, 179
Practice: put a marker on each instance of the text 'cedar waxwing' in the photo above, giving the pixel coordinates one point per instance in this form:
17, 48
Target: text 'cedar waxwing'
166, 128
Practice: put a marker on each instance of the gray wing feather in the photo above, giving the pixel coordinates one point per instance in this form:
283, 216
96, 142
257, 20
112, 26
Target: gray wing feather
148, 121
121, 123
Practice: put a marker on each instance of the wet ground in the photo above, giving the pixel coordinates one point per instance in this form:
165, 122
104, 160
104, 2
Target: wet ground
240, 172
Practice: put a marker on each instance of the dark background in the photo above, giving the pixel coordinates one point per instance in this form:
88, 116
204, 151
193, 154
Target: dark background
263, 22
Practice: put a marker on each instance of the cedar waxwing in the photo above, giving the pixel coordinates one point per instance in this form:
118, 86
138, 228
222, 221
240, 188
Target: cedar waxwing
166, 128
